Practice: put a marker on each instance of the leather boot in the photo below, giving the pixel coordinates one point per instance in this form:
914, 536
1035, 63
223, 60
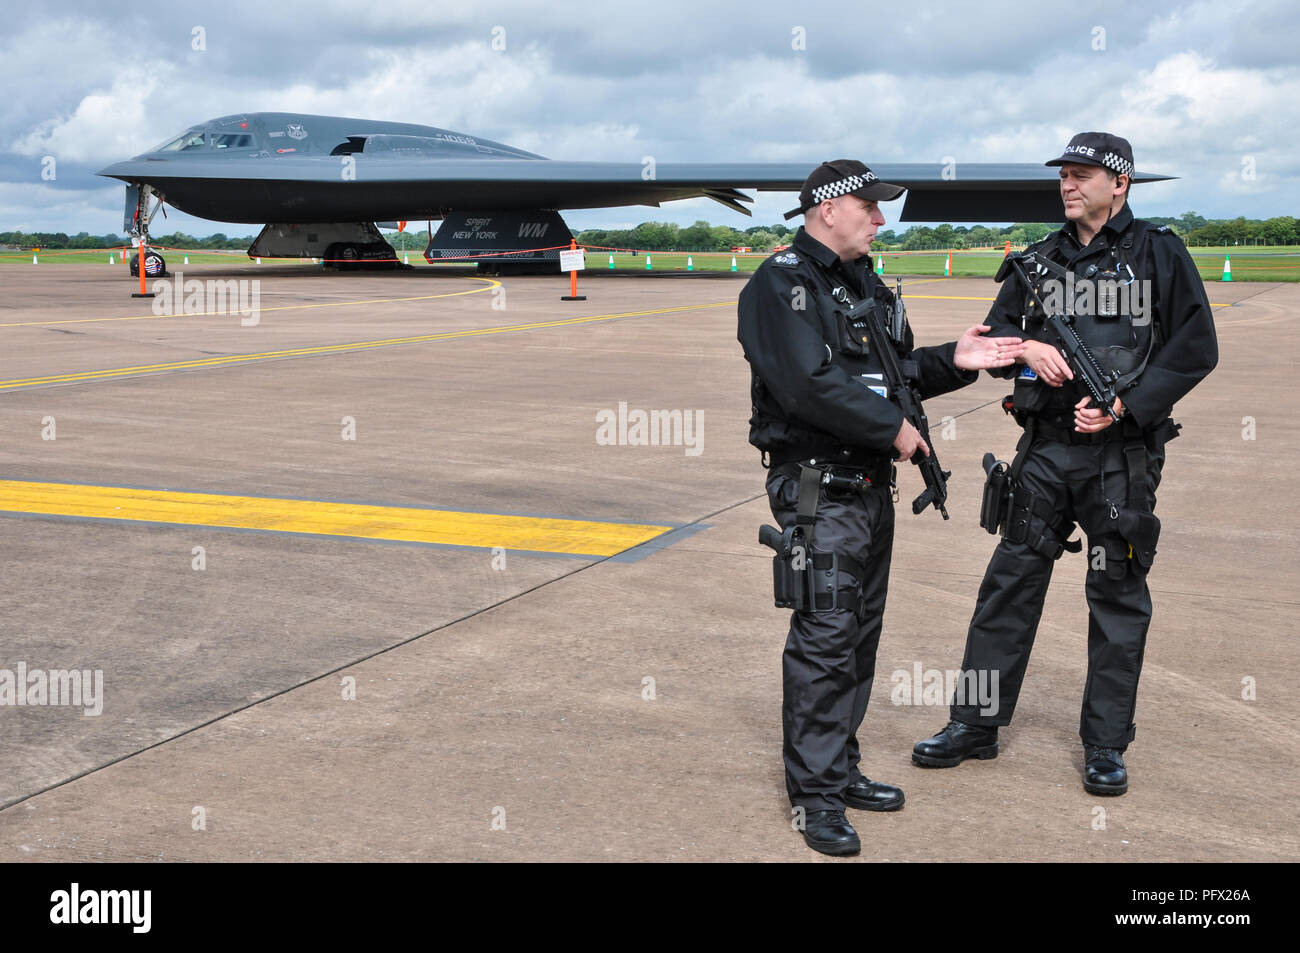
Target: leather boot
830, 832
868, 795
1104, 771
957, 742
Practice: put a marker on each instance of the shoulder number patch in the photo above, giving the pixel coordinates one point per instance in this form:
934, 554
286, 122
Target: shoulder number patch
786, 258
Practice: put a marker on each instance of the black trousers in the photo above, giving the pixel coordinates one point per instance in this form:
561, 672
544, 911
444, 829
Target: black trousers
1010, 604
830, 656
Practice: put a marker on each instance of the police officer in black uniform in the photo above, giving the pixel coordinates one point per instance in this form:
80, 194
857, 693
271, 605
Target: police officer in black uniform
1141, 308
819, 411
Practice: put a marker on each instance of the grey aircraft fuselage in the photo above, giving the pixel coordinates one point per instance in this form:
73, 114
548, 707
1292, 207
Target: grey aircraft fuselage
295, 168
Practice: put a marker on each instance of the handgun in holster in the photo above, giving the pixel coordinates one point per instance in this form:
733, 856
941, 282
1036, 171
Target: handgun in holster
999, 492
803, 579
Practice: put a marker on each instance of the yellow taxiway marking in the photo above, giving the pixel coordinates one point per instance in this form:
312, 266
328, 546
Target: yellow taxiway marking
327, 518
117, 372
490, 284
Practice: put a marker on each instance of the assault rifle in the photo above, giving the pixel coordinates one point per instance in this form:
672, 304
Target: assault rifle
905, 397
1100, 383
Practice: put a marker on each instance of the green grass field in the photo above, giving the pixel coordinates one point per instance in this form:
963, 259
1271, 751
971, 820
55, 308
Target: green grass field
1248, 264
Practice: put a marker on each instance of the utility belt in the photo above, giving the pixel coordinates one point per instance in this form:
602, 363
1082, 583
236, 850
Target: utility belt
1045, 431
874, 465
805, 578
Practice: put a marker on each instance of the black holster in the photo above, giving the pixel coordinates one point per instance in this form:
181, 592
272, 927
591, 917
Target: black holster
806, 579
803, 579
999, 488
1018, 514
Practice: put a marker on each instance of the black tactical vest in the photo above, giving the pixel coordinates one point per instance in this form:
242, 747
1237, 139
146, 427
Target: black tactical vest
1113, 314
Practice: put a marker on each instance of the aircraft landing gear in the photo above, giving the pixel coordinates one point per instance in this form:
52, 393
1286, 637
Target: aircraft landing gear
345, 256
155, 266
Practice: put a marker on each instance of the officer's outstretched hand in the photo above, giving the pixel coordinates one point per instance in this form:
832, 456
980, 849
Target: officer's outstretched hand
909, 441
975, 352
1048, 363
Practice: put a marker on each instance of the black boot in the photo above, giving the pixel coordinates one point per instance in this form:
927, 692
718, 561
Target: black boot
957, 742
1104, 771
830, 833
868, 795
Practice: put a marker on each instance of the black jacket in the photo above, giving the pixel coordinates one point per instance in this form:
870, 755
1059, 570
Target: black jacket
809, 399
1185, 349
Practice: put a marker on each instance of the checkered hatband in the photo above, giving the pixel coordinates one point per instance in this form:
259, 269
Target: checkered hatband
1117, 164
843, 187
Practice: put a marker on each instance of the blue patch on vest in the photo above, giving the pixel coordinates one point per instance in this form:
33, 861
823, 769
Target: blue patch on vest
1028, 374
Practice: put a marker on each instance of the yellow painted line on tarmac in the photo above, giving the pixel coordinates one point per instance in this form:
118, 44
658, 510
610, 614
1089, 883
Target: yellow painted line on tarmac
490, 284
120, 372
327, 518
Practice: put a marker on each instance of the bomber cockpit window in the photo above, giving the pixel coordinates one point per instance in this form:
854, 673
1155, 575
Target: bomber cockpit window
232, 141
194, 139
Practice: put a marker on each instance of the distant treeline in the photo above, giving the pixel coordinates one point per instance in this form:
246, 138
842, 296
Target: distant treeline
703, 237
1192, 228
84, 240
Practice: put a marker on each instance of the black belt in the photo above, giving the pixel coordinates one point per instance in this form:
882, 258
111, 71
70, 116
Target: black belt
1062, 435
829, 456
877, 471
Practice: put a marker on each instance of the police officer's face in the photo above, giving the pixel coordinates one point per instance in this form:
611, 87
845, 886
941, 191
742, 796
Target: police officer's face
854, 224
1088, 192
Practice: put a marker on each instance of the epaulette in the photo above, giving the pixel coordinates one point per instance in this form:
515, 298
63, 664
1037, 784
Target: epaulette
1162, 229
787, 258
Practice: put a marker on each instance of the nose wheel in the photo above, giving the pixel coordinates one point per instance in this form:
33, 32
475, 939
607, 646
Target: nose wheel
155, 266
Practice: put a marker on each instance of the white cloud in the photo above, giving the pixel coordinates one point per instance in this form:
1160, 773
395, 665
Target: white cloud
104, 121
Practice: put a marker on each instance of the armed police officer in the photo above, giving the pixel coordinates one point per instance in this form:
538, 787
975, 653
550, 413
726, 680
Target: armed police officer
1134, 301
823, 415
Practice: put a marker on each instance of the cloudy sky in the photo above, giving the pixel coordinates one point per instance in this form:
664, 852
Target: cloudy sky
1205, 91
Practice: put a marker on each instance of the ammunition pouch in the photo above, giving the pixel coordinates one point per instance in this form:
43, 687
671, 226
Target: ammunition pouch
1136, 544
1131, 547
1033, 522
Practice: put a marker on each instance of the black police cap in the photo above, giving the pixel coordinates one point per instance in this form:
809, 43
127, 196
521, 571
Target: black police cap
843, 177
1098, 148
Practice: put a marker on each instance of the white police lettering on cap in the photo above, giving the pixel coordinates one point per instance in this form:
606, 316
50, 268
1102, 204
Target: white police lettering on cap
1080, 151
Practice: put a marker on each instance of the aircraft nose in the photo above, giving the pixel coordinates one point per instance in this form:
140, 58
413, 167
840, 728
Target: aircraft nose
130, 168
